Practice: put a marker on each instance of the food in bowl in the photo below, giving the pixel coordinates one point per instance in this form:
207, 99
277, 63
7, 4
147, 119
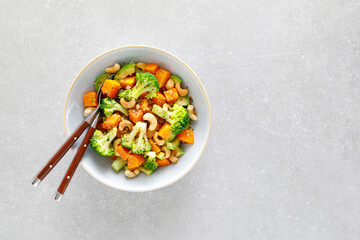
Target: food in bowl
146, 116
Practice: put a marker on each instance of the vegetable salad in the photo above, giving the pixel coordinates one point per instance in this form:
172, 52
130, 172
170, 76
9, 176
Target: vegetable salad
146, 116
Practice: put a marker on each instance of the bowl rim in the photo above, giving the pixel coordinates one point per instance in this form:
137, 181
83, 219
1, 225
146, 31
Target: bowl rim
202, 149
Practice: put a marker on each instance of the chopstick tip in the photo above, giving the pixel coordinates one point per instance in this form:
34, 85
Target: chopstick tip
58, 196
35, 181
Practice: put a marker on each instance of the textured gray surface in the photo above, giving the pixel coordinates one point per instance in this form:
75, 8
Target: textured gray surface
283, 80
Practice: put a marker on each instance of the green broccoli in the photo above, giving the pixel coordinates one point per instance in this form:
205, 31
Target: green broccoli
109, 106
101, 143
150, 161
145, 82
177, 116
127, 139
126, 94
140, 144
179, 119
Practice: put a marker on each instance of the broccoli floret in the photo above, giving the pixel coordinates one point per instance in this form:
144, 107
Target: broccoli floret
125, 94
101, 143
109, 106
145, 82
140, 144
150, 161
177, 116
179, 119
127, 139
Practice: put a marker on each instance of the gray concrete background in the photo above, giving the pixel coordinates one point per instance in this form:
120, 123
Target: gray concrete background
283, 80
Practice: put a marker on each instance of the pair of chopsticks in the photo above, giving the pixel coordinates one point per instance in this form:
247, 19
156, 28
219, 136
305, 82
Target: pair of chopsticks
91, 121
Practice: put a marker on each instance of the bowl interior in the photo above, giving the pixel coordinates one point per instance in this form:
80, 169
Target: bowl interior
100, 167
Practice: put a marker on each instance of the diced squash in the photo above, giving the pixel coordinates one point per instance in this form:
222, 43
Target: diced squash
145, 106
186, 136
159, 100
123, 152
171, 95
100, 80
164, 131
90, 99
128, 81
151, 68
135, 115
162, 76
135, 160
113, 157
163, 162
154, 147
111, 88
112, 121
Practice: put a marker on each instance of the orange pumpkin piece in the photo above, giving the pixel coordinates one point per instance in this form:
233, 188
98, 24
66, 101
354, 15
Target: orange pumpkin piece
111, 88
112, 121
159, 100
145, 106
135, 115
123, 152
162, 76
186, 136
154, 147
158, 125
128, 81
90, 99
135, 160
164, 131
151, 68
163, 163
171, 95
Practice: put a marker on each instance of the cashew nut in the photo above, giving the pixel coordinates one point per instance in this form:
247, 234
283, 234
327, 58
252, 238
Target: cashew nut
157, 140
88, 111
192, 115
166, 106
132, 173
115, 144
182, 91
126, 104
125, 123
172, 157
140, 65
169, 84
113, 69
152, 120
166, 151
150, 133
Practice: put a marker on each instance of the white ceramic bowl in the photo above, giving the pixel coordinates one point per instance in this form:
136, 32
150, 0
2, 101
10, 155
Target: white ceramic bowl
100, 167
